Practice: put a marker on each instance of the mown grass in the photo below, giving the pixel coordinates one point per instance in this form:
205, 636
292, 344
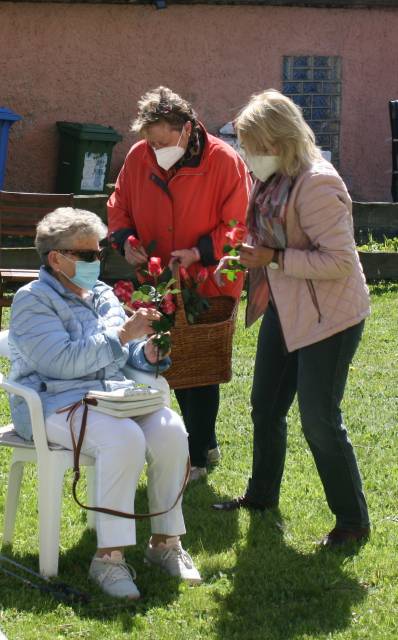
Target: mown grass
264, 577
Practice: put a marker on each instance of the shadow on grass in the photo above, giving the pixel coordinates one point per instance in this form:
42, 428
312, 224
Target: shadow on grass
156, 587
279, 593
203, 523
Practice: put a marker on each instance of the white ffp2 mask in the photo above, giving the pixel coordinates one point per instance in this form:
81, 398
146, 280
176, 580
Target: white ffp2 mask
263, 166
166, 157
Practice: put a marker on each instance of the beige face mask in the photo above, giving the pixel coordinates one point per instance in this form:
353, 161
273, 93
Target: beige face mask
168, 156
262, 166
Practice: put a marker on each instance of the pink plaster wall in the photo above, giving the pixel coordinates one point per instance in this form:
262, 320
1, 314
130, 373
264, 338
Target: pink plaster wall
90, 63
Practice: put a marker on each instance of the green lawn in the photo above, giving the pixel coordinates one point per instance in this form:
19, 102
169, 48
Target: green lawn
264, 578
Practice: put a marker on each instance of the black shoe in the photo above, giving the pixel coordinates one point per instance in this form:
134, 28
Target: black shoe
339, 537
243, 502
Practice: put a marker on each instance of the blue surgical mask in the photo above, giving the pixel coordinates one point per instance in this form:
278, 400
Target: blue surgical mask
86, 273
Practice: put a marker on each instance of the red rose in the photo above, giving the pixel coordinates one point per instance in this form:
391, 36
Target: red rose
237, 235
123, 290
133, 242
155, 266
203, 274
140, 304
168, 307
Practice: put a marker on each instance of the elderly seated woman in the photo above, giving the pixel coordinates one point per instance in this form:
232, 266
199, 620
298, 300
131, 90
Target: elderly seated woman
69, 334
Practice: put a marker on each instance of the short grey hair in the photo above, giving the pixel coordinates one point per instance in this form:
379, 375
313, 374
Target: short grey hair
58, 229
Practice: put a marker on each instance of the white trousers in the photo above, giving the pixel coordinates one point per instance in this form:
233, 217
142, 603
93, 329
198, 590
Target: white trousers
120, 447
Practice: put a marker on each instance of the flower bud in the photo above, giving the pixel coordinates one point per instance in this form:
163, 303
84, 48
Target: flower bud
133, 242
155, 266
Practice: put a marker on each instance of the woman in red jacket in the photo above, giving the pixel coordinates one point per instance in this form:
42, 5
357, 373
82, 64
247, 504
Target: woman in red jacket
181, 186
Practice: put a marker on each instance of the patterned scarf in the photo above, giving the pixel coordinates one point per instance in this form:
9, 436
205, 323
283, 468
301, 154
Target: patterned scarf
267, 211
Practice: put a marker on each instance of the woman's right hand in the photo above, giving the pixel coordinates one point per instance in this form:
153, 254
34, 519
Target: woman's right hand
135, 256
138, 325
254, 257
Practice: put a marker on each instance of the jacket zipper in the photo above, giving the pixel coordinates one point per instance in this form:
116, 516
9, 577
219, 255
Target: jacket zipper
314, 298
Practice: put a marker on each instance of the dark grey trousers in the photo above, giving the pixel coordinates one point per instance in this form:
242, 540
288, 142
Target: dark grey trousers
318, 373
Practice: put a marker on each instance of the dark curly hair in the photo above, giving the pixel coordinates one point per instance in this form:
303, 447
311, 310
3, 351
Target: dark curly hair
163, 105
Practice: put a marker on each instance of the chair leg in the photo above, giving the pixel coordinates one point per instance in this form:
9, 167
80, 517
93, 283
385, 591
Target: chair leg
10, 512
90, 496
50, 506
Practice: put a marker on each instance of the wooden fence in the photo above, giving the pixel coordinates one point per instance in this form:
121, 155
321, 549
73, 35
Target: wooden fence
377, 218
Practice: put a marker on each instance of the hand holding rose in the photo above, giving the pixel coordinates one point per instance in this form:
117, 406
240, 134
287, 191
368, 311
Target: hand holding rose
134, 252
138, 325
252, 257
151, 351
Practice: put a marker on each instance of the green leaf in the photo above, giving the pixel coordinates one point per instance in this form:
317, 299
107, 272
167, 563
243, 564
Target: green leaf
233, 222
162, 288
163, 324
186, 295
140, 295
147, 289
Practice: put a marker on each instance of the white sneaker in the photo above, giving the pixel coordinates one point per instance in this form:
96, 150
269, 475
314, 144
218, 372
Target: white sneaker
196, 473
172, 558
213, 456
112, 574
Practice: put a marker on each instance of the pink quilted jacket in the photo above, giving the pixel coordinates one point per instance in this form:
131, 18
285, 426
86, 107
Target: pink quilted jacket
321, 288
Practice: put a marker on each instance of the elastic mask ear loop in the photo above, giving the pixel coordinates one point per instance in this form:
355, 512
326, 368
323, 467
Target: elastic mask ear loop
179, 139
63, 272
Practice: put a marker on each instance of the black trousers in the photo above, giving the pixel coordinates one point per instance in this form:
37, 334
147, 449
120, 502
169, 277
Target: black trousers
318, 373
199, 408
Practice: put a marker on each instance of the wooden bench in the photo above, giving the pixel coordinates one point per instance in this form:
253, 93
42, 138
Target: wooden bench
19, 215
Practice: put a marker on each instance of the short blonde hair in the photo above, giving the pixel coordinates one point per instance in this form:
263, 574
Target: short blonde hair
270, 119
162, 105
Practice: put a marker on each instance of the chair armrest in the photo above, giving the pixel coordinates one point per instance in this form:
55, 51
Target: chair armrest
35, 407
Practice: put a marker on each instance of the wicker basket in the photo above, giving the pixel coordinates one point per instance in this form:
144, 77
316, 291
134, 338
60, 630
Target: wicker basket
202, 352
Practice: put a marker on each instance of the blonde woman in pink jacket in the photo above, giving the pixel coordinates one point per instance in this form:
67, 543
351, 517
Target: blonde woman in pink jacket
306, 280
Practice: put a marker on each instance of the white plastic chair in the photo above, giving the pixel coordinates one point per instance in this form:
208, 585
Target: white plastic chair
52, 462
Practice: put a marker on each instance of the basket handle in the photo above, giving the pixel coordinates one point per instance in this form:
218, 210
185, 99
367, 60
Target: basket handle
180, 319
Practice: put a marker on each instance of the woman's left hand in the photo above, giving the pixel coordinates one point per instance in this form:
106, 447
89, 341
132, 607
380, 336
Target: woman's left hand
253, 257
151, 351
186, 257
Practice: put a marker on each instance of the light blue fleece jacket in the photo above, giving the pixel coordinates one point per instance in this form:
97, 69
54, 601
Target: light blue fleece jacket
62, 346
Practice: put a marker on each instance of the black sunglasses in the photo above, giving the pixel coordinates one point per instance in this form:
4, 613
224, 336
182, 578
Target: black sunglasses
86, 256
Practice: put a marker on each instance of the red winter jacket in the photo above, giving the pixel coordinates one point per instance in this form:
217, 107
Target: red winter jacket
191, 209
